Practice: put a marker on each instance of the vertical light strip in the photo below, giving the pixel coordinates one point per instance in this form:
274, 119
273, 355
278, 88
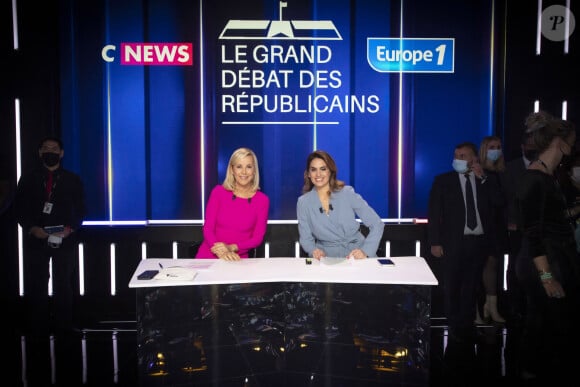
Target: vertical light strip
314, 132
15, 25
491, 68
400, 130
52, 361
109, 146
567, 29
20, 263
50, 293
202, 114
417, 248
143, 250
387, 248
297, 249
81, 269
174, 250
564, 110
267, 250
539, 29
503, 350
506, 261
84, 359
17, 127
23, 357
115, 359
109, 137
113, 270
536, 106
18, 144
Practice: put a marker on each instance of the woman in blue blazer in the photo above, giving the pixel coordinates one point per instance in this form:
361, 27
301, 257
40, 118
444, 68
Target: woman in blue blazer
327, 214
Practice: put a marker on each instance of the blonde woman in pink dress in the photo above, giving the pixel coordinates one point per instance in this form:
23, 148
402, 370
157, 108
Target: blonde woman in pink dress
236, 215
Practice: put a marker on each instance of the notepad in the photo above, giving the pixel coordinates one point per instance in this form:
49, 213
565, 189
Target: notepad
176, 273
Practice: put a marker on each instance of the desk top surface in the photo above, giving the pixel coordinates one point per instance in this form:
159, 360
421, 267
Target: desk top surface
187, 272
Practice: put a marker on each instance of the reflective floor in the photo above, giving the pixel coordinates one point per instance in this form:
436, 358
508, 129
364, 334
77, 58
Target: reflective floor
105, 354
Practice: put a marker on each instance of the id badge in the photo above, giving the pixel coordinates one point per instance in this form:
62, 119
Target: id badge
47, 208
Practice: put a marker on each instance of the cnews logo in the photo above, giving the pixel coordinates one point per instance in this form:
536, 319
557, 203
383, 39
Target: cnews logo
151, 54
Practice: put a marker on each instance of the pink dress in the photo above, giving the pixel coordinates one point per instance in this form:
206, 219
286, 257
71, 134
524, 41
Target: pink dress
230, 219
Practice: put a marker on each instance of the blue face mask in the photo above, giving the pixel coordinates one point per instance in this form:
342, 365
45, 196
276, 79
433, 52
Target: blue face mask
460, 166
493, 154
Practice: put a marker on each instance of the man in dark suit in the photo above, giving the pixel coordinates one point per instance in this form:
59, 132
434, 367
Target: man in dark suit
462, 243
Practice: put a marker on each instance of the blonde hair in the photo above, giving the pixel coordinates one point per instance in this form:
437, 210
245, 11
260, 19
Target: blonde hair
496, 166
230, 180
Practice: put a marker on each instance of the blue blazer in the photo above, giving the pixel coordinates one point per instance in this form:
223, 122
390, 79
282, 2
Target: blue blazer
338, 233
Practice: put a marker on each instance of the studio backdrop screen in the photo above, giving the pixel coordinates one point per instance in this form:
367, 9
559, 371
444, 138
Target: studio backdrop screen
157, 94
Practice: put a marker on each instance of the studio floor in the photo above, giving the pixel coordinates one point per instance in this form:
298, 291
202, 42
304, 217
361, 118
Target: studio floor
105, 354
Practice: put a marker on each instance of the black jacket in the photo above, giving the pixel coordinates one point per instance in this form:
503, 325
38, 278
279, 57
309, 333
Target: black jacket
67, 198
447, 209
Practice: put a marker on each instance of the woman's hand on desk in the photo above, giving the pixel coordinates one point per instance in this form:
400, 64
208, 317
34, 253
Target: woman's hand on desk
318, 253
226, 252
219, 248
230, 256
357, 254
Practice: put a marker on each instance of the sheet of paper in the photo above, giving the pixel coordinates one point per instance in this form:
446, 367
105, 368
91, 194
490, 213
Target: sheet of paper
176, 273
328, 261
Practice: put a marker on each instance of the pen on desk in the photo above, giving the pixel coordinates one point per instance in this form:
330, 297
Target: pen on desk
160, 265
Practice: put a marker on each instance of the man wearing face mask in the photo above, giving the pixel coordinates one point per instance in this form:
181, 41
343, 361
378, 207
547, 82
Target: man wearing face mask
459, 232
50, 207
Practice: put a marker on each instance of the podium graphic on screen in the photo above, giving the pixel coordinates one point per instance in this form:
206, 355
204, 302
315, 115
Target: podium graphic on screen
280, 29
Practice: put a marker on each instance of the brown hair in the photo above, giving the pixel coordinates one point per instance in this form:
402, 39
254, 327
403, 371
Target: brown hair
545, 133
334, 183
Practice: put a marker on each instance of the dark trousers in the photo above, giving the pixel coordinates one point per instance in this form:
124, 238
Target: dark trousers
515, 293
39, 306
462, 275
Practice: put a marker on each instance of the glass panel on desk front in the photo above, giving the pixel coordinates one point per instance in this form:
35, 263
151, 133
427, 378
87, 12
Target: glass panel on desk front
298, 331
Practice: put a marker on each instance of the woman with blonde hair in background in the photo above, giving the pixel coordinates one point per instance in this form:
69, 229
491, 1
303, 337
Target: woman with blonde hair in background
492, 160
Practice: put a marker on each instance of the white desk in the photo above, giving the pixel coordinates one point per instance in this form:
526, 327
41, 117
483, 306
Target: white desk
272, 319
406, 271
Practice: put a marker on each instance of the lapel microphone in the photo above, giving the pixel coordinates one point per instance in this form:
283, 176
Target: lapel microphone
329, 209
250, 200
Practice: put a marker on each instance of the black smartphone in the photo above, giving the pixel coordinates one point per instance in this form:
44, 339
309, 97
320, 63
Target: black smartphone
385, 262
147, 274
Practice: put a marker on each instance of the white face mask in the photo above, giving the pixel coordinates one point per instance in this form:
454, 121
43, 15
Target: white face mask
460, 166
493, 154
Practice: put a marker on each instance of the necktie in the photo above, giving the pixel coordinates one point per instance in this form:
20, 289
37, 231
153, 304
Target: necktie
48, 186
470, 204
